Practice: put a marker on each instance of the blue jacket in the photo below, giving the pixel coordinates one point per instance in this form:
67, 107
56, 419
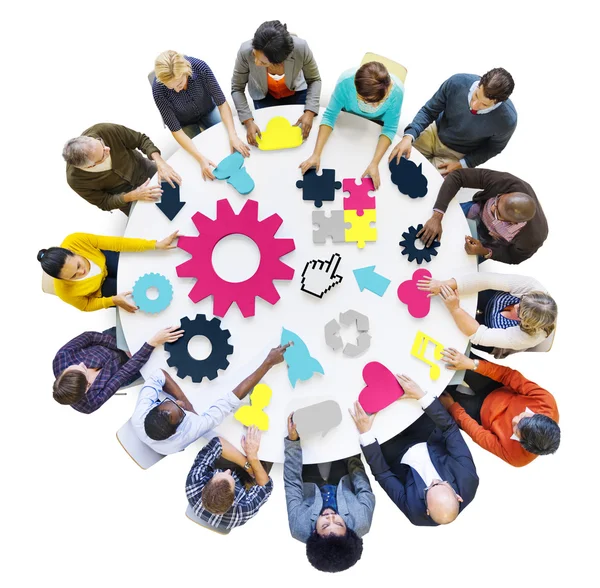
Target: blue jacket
355, 498
450, 456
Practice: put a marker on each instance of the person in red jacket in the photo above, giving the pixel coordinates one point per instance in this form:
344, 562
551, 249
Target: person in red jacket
508, 415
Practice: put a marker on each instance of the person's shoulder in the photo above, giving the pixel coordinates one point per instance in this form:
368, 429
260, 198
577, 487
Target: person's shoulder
198, 65
462, 80
300, 45
246, 48
347, 77
508, 112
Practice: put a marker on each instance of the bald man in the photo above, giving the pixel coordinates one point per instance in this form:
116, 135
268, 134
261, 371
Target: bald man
511, 225
427, 470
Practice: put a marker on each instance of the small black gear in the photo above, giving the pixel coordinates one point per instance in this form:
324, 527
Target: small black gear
414, 253
198, 369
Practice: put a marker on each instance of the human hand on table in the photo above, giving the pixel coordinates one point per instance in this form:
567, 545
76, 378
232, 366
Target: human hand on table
446, 400
166, 335
251, 443
430, 285
373, 172
205, 165
432, 229
306, 122
449, 167
121, 301
412, 390
313, 161
474, 246
362, 420
402, 148
168, 242
450, 297
456, 360
167, 174
276, 354
251, 131
238, 145
145, 193
291, 426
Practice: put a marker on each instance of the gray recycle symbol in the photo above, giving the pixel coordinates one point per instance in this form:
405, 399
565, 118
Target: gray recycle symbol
334, 340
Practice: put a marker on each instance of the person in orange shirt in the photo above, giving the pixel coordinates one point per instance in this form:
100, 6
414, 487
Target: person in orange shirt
508, 415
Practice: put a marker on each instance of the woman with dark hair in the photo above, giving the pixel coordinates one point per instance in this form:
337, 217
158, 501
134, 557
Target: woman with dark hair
370, 92
278, 69
85, 266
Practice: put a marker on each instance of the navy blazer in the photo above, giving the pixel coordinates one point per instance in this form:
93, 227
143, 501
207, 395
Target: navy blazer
450, 456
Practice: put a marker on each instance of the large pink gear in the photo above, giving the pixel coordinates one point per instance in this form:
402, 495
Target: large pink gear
270, 268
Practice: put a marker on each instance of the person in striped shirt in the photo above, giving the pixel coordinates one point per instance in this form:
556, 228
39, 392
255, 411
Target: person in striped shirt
189, 100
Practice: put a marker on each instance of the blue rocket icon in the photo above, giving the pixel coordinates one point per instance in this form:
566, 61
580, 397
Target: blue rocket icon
301, 366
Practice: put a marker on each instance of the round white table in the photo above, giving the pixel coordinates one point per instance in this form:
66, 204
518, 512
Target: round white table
348, 152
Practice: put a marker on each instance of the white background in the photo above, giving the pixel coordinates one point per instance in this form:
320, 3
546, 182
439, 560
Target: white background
76, 510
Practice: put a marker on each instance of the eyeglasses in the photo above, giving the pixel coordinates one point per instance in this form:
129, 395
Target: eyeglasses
103, 154
177, 405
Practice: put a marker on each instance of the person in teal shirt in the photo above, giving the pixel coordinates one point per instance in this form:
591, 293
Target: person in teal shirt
370, 92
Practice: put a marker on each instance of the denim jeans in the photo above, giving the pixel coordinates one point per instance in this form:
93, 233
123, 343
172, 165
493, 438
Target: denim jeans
204, 122
268, 100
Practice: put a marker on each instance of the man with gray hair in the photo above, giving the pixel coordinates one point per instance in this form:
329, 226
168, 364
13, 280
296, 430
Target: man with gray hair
105, 166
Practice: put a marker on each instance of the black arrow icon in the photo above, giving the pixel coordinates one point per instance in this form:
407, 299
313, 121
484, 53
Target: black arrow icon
170, 202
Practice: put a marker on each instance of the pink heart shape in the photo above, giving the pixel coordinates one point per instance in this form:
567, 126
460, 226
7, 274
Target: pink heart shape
381, 390
417, 301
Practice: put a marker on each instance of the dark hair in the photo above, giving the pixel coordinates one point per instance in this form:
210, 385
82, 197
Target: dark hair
53, 259
372, 81
333, 553
157, 424
217, 496
539, 434
69, 387
273, 39
497, 84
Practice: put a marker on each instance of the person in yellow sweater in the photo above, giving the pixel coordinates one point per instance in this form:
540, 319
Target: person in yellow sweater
84, 268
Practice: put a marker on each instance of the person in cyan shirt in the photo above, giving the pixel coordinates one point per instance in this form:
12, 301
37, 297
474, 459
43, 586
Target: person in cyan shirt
372, 93
466, 122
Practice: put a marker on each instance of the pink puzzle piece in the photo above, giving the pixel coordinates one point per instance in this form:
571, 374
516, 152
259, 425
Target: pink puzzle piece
359, 198
201, 249
381, 390
417, 301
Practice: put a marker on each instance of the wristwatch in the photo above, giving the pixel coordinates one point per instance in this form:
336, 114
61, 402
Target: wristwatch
476, 364
247, 466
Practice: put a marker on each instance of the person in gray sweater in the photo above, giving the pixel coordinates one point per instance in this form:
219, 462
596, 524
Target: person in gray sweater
329, 515
469, 120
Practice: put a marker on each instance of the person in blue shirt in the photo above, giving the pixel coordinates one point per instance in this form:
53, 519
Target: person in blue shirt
469, 120
371, 92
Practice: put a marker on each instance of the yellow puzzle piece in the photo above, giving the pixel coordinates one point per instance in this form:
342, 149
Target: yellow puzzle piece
361, 229
418, 351
253, 414
279, 134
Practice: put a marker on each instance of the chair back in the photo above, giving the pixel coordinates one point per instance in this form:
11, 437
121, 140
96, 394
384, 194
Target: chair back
392, 66
190, 514
143, 455
545, 345
151, 77
48, 284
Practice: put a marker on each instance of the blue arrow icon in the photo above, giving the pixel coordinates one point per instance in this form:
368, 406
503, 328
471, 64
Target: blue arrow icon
368, 279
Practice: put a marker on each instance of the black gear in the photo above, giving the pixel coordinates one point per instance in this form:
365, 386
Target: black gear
186, 365
414, 253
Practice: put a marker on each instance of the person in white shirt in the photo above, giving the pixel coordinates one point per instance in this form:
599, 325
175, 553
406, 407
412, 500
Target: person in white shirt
170, 425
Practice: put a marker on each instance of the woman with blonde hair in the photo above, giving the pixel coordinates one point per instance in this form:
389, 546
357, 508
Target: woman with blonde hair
189, 100
514, 312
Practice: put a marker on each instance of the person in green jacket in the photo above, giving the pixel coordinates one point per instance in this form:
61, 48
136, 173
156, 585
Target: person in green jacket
105, 166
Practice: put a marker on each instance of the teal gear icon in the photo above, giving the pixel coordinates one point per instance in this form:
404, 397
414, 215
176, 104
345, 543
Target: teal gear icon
140, 293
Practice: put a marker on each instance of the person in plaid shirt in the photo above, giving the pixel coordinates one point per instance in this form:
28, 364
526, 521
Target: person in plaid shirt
90, 368
218, 496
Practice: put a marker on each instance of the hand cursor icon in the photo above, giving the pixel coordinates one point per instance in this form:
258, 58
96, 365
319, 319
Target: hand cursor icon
319, 276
